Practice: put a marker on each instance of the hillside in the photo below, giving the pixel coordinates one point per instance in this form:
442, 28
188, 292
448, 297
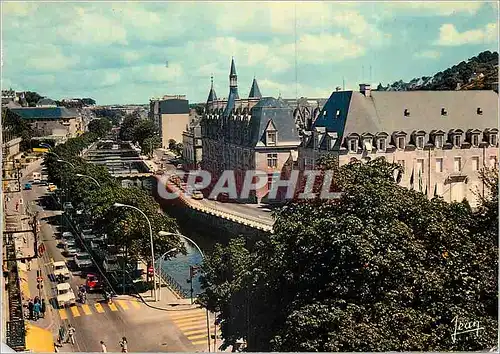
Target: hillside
478, 73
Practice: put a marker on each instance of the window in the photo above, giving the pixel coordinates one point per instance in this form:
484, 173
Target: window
420, 166
493, 139
457, 140
475, 140
444, 112
493, 161
353, 145
402, 163
420, 142
401, 142
479, 110
381, 144
271, 138
438, 141
272, 160
475, 163
337, 113
439, 164
407, 112
457, 164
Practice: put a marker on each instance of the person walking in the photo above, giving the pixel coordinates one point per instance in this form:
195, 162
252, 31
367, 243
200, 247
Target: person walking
124, 345
43, 308
60, 339
103, 347
37, 309
30, 308
71, 334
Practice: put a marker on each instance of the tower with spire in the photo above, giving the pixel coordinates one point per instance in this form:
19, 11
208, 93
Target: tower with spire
233, 81
212, 97
254, 90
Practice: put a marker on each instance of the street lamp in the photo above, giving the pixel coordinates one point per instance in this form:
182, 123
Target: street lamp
64, 161
160, 268
92, 178
53, 153
153, 290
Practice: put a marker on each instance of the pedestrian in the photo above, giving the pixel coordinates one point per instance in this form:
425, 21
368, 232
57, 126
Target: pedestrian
60, 339
17, 206
37, 309
71, 334
29, 265
43, 308
124, 345
103, 347
30, 308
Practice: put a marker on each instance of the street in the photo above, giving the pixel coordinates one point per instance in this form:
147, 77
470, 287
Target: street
147, 329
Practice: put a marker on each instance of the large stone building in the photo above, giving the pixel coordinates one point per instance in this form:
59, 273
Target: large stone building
191, 143
170, 115
441, 138
54, 123
254, 133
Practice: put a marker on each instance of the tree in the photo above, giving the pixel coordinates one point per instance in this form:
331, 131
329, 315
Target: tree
100, 127
381, 269
143, 130
32, 98
150, 144
127, 128
17, 126
172, 144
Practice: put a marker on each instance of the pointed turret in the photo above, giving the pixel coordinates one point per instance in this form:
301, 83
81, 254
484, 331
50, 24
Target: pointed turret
211, 95
255, 91
233, 81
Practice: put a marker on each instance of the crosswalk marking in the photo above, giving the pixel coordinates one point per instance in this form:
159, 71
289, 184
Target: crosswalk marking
122, 304
74, 310
98, 308
198, 336
62, 314
112, 307
185, 314
86, 309
189, 320
200, 342
184, 317
191, 326
188, 333
135, 304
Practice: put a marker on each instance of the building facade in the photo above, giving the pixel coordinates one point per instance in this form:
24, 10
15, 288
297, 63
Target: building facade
191, 143
170, 115
440, 138
255, 133
56, 123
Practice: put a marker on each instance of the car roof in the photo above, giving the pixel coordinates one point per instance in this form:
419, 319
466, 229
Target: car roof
83, 254
60, 263
63, 286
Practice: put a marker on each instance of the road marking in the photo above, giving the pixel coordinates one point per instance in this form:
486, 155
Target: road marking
184, 314
98, 308
196, 331
63, 314
135, 304
200, 342
86, 309
189, 320
192, 326
112, 307
74, 310
122, 304
198, 336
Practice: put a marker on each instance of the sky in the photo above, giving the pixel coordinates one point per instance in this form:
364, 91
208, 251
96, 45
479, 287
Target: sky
128, 52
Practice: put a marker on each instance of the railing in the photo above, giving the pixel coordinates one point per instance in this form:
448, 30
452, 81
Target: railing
173, 284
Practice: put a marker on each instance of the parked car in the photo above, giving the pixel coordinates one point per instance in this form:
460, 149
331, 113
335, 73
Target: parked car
65, 295
83, 260
60, 268
93, 283
52, 187
27, 186
70, 251
67, 205
197, 195
67, 234
179, 166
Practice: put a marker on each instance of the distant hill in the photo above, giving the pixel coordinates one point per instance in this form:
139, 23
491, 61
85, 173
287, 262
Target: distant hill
478, 73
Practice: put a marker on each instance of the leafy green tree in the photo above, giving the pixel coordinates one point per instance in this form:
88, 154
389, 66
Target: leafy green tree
18, 127
32, 98
380, 269
100, 127
127, 128
172, 144
142, 131
150, 144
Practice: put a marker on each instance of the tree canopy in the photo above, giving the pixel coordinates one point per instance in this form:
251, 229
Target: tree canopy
380, 269
100, 127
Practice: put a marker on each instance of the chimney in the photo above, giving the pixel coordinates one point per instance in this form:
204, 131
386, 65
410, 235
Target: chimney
365, 89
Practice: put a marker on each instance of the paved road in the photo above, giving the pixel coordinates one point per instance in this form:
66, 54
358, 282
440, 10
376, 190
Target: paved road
147, 329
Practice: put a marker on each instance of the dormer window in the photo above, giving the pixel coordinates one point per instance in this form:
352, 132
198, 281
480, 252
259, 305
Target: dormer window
438, 141
324, 113
353, 145
444, 112
493, 139
401, 141
381, 144
406, 112
479, 111
367, 144
457, 140
475, 140
420, 142
271, 138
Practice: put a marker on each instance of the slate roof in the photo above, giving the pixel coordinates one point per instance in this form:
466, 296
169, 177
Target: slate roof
233, 68
46, 102
255, 91
384, 111
45, 113
281, 114
211, 95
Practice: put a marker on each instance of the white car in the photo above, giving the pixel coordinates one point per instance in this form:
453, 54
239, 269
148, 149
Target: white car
83, 260
65, 295
60, 268
70, 251
67, 234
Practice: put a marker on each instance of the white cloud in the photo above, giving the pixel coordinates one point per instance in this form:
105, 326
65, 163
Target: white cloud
449, 36
110, 78
440, 8
154, 73
18, 9
47, 58
429, 54
286, 90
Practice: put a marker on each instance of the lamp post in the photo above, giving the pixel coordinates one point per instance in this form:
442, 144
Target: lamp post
153, 290
160, 264
64, 161
164, 233
92, 178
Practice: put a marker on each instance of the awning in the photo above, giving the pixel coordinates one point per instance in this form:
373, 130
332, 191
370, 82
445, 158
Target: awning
39, 340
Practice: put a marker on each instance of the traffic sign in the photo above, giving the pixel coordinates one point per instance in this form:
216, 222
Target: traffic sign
39, 279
